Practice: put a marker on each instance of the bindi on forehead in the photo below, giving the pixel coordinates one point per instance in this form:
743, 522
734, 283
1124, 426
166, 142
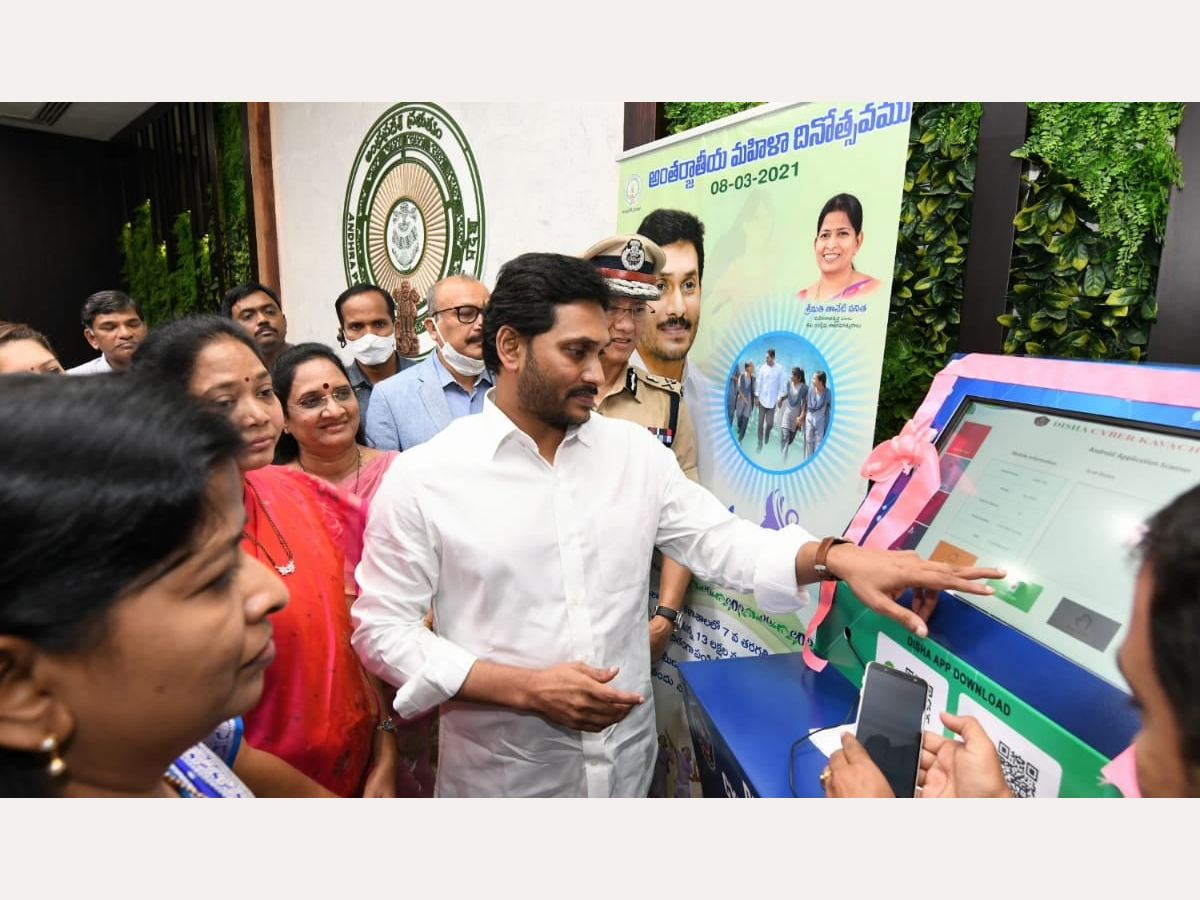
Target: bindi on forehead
325, 385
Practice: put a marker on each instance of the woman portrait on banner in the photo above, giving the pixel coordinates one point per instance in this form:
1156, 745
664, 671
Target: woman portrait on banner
816, 413
320, 711
134, 628
323, 436
839, 238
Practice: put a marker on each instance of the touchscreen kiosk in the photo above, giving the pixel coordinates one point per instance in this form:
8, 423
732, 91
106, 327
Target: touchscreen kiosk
1057, 499
1044, 468
1048, 470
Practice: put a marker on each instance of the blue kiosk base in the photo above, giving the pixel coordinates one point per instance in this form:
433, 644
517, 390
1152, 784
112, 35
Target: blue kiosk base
746, 715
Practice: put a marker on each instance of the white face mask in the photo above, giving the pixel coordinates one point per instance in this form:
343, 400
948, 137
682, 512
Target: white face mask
372, 349
463, 365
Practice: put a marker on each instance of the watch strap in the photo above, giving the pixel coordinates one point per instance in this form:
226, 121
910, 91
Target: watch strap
671, 615
819, 562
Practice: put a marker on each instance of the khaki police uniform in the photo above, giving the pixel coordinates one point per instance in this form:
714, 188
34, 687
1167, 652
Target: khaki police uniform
657, 403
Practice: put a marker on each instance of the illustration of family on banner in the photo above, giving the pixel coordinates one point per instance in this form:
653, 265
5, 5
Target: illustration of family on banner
775, 327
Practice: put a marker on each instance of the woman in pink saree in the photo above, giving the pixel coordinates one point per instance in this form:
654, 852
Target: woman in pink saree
323, 437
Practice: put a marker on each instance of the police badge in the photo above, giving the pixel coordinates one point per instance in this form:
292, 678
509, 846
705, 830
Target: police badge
633, 256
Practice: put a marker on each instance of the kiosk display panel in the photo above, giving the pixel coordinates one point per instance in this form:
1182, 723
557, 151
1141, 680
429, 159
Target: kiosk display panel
1057, 498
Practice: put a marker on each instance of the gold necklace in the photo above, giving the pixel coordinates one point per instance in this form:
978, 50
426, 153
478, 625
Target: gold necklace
839, 291
291, 563
357, 465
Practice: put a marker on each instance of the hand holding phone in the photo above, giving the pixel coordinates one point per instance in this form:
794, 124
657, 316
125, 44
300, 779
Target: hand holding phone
890, 726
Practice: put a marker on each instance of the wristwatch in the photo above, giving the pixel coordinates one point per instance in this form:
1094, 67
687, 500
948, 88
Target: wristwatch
671, 615
822, 552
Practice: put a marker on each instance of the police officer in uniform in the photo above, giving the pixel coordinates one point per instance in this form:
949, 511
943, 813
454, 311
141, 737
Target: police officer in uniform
630, 264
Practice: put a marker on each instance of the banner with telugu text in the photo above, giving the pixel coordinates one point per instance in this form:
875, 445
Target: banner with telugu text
759, 182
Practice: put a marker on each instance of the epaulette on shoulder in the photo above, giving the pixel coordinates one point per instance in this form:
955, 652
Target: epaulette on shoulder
660, 381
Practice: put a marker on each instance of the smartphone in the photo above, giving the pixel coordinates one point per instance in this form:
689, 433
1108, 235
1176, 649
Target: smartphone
891, 716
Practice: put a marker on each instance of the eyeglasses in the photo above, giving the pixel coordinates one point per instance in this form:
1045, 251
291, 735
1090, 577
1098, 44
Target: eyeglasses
466, 314
314, 402
636, 313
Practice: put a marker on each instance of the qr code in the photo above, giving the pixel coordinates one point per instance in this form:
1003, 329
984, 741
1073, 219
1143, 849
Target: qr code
1022, 776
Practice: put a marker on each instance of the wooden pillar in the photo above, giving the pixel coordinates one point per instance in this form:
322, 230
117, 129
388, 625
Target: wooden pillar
1175, 337
989, 253
644, 123
264, 239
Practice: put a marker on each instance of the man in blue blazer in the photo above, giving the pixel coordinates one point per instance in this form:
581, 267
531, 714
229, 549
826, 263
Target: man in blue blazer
413, 405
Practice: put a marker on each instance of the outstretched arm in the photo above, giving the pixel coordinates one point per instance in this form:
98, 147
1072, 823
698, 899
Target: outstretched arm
878, 577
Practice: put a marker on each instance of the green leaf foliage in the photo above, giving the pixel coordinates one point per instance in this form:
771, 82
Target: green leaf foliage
935, 219
682, 116
172, 275
1095, 187
1122, 157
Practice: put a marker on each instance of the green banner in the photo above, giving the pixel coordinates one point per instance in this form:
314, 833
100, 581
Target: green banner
800, 205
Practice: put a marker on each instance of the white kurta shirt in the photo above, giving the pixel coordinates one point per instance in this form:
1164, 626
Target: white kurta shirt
95, 366
769, 387
531, 564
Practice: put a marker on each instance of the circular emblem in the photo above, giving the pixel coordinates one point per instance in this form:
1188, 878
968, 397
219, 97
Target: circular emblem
413, 212
633, 255
633, 190
405, 236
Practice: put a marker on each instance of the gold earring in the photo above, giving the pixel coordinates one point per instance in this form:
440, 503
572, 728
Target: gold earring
56, 766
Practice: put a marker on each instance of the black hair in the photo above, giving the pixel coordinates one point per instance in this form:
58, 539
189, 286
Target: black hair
528, 290
666, 226
283, 374
362, 288
846, 203
798, 372
1171, 549
103, 302
170, 351
241, 292
102, 488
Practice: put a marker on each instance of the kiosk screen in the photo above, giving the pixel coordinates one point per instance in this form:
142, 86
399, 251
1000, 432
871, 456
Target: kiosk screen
1055, 498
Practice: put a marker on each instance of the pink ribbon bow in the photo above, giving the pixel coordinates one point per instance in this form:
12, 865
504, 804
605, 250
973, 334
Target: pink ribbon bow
909, 452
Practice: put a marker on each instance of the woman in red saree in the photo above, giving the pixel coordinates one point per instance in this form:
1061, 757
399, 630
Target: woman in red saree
320, 710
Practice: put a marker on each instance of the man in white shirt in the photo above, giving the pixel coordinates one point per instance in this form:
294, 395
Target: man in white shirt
112, 324
767, 392
529, 529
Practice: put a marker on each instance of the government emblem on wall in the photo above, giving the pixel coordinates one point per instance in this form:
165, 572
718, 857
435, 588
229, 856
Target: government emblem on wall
414, 211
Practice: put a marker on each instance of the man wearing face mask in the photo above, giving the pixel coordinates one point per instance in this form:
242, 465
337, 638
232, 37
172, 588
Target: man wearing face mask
414, 405
367, 331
